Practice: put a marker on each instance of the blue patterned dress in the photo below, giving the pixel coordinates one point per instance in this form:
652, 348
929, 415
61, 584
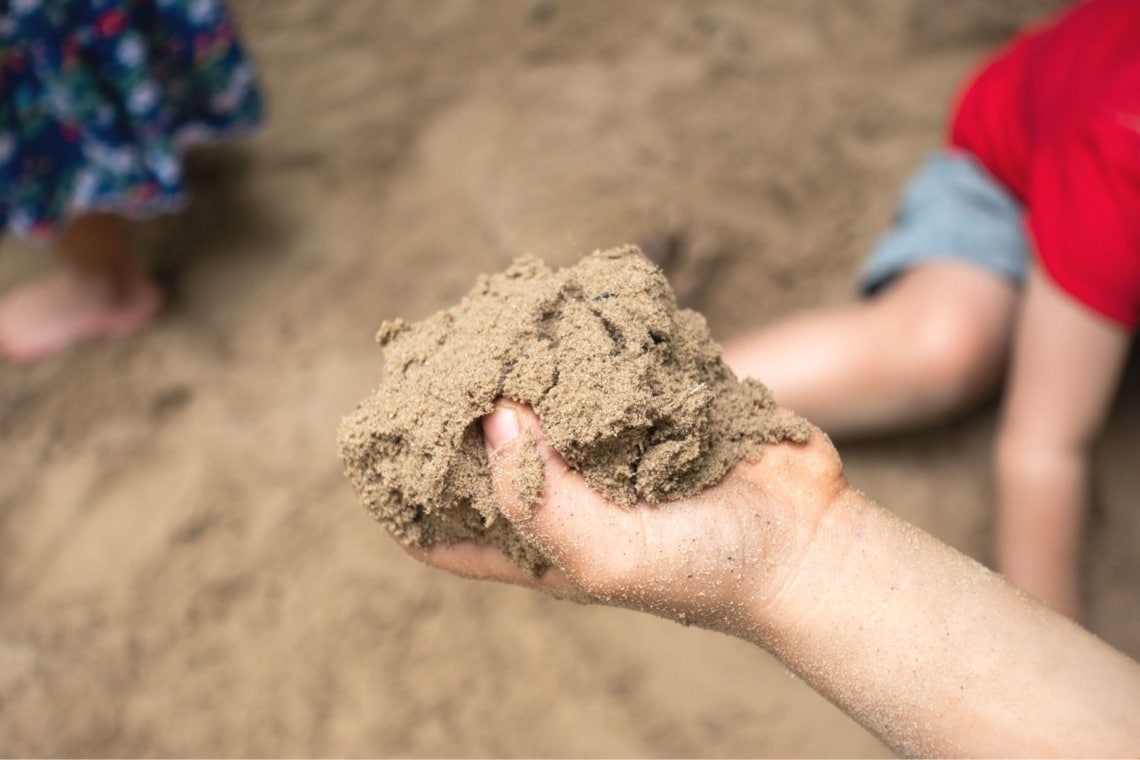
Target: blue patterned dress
99, 99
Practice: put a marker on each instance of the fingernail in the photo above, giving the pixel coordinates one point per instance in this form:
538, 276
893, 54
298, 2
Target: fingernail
500, 427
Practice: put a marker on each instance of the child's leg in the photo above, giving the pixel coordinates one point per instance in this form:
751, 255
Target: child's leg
930, 343
101, 291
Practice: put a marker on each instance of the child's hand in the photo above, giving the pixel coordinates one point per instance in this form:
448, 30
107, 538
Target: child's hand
717, 559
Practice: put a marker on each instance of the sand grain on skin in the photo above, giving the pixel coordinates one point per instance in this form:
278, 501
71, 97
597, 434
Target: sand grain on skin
630, 389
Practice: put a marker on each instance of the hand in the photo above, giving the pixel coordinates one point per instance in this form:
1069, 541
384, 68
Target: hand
923, 646
714, 560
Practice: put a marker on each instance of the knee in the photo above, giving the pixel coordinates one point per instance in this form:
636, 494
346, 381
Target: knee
954, 353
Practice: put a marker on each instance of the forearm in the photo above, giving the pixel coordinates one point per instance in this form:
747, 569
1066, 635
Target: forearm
1050, 481
1042, 491
937, 655
1065, 368
925, 647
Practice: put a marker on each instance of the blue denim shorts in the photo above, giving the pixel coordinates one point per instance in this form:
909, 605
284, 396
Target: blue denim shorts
952, 210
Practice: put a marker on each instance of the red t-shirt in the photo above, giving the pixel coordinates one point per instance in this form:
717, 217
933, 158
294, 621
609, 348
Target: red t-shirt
1055, 117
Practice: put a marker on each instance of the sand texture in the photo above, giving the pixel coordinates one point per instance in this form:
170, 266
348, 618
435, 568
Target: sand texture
185, 572
631, 391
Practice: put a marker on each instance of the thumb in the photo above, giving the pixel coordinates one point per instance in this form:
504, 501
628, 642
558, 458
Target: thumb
546, 501
519, 457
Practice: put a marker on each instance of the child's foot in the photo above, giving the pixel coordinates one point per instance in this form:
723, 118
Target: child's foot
45, 317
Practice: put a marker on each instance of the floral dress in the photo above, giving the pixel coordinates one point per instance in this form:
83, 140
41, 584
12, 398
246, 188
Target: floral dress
99, 99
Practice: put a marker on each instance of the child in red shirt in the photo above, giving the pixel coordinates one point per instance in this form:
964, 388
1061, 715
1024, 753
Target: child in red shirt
1020, 242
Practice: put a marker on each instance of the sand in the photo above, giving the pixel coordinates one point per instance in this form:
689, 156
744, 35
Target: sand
631, 391
184, 570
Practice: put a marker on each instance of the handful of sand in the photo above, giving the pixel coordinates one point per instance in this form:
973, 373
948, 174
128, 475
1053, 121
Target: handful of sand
630, 389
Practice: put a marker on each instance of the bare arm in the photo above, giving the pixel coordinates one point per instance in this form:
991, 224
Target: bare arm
938, 656
1067, 363
923, 646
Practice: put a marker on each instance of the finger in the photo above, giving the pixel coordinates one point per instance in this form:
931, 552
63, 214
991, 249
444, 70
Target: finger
483, 562
572, 524
470, 560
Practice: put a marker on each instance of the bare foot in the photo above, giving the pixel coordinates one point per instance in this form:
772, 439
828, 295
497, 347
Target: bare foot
43, 318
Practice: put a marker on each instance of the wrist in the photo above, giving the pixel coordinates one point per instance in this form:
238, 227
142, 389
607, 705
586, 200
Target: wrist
794, 517
810, 560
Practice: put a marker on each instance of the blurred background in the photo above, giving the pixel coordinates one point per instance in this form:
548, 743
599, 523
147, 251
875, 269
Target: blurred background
184, 569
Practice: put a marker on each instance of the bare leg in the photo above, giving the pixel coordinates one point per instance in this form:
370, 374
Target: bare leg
101, 291
933, 342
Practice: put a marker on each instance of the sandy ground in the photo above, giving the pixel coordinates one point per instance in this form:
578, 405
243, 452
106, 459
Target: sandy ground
183, 568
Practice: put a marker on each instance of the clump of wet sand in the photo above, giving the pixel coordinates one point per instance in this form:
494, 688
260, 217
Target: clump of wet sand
631, 391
